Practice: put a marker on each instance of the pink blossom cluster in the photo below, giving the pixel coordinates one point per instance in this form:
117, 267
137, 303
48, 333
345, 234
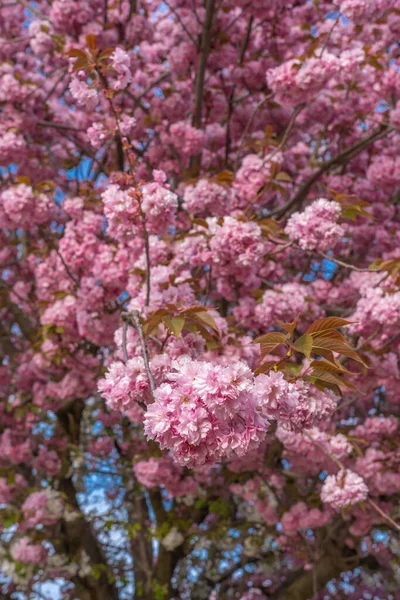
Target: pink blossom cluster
300, 516
127, 124
316, 227
281, 303
121, 63
25, 552
253, 174
121, 209
294, 405
376, 307
48, 461
187, 140
62, 314
294, 82
83, 94
20, 207
162, 471
14, 447
381, 471
11, 145
206, 198
360, 11
236, 247
8, 490
205, 412
375, 428
98, 133
66, 17
384, 172
41, 41
305, 447
127, 384
344, 489
43, 507
159, 205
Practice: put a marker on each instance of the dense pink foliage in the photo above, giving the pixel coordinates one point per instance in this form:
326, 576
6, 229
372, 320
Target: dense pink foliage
200, 299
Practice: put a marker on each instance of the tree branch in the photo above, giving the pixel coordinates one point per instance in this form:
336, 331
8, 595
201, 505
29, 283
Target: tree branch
341, 158
205, 43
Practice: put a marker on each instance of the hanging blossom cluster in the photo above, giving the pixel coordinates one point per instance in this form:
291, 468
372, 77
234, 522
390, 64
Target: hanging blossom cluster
294, 405
25, 552
236, 247
162, 471
122, 208
344, 489
203, 413
316, 227
20, 206
206, 412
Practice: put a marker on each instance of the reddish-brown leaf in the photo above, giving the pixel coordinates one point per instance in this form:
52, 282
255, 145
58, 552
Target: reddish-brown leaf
273, 337
327, 323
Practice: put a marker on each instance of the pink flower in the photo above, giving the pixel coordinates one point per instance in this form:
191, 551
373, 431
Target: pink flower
294, 405
98, 134
83, 94
236, 248
25, 552
206, 198
294, 82
159, 205
206, 412
344, 489
120, 61
315, 228
23, 208
187, 140
121, 209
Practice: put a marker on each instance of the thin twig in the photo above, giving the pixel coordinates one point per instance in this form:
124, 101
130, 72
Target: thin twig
133, 318
347, 265
329, 35
152, 85
248, 125
57, 125
179, 19
74, 279
124, 341
383, 514
120, 145
285, 136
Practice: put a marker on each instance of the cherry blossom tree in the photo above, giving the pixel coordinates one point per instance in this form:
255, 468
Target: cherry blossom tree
199, 299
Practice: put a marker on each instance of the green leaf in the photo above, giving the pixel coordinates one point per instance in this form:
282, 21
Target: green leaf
304, 344
154, 320
206, 318
175, 324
